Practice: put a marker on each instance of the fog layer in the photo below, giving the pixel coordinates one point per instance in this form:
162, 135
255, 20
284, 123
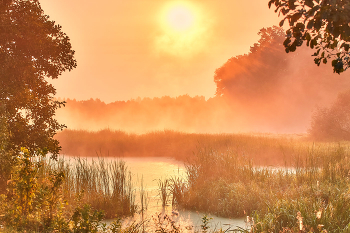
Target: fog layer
266, 90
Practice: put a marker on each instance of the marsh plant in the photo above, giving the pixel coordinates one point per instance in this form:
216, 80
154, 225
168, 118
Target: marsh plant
313, 193
32, 201
44, 195
163, 191
106, 185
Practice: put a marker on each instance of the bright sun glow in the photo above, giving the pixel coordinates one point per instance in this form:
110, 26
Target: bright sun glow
183, 29
180, 18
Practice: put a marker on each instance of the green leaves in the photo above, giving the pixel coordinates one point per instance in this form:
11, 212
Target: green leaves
310, 24
309, 3
294, 18
281, 23
323, 24
338, 66
32, 48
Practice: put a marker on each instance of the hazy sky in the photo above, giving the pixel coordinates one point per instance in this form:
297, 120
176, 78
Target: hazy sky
152, 48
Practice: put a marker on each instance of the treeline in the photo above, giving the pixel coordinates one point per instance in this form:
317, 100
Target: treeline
274, 88
266, 90
182, 113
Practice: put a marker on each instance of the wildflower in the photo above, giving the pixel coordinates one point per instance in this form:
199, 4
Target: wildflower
300, 219
318, 214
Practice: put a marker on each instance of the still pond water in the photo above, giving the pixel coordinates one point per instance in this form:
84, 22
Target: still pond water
146, 172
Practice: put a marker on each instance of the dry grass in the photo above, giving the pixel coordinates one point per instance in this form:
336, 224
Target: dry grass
231, 185
264, 149
228, 176
104, 185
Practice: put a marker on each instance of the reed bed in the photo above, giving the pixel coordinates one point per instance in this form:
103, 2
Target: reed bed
175, 144
281, 184
231, 185
103, 185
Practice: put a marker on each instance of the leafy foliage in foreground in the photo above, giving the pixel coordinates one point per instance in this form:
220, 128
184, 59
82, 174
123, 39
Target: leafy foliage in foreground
35, 202
323, 24
32, 49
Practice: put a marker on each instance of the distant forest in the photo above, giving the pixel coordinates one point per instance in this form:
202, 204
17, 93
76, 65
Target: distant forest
266, 90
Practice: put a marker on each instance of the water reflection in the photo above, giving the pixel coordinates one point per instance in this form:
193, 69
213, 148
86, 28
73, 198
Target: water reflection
146, 172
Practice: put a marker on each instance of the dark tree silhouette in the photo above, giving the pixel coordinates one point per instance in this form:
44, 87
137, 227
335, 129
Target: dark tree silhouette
252, 74
323, 24
272, 88
32, 49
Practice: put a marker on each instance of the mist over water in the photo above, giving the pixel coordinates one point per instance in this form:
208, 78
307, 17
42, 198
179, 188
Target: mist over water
286, 108
266, 90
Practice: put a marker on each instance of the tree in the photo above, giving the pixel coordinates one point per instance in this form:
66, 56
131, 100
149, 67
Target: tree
32, 49
255, 73
332, 123
323, 24
6, 157
273, 90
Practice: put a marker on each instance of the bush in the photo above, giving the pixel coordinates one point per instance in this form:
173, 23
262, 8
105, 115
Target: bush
332, 123
34, 201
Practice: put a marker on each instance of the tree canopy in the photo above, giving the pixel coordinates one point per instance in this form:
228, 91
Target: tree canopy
258, 71
32, 49
323, 24
273, 89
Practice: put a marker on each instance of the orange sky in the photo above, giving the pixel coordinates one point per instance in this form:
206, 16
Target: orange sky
128, 48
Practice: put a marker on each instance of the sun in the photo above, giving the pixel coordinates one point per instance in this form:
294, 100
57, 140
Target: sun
183, 30
180, 18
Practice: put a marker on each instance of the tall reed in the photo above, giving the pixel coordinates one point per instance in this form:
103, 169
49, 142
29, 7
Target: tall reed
231, 185
105, 185
163, 191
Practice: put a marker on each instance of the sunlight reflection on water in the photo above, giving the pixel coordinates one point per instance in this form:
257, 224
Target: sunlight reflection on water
150, 170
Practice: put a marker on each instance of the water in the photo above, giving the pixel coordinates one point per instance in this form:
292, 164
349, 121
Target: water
146, 172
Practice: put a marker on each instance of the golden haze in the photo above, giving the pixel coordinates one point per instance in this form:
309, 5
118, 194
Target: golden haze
124, 52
